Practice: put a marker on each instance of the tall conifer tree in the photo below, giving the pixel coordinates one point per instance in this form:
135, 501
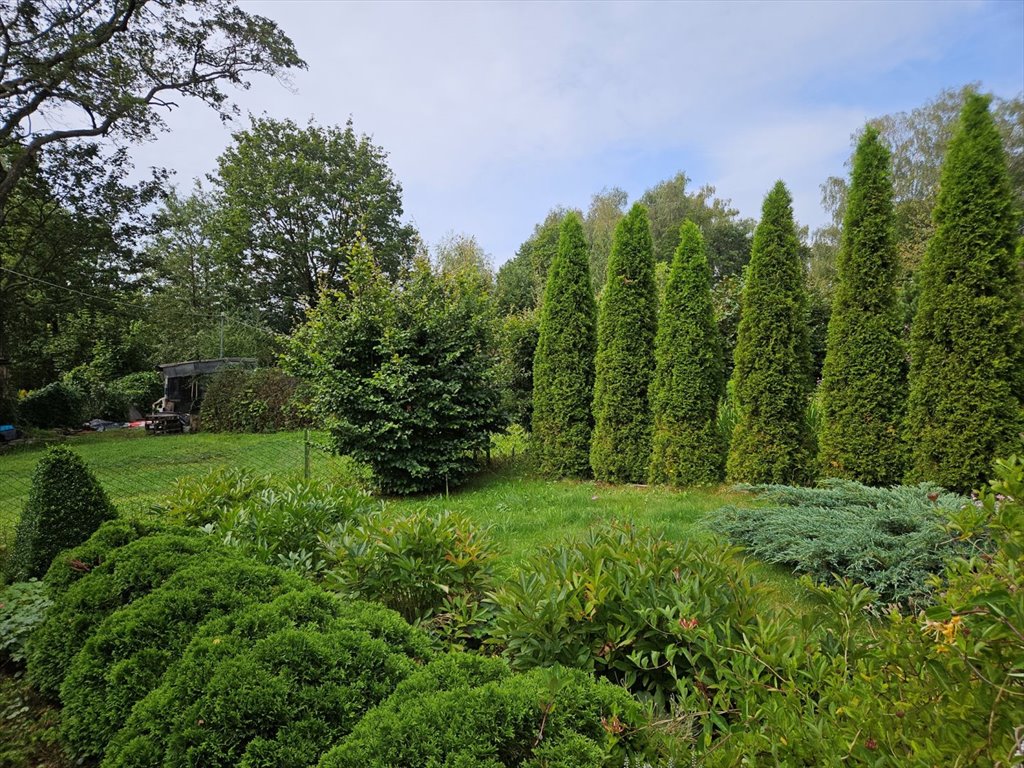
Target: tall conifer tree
627, 319
966, 342
772, 441
563, 365
864, 384
688, 379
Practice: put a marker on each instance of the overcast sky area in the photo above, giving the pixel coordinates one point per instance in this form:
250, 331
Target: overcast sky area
494, 113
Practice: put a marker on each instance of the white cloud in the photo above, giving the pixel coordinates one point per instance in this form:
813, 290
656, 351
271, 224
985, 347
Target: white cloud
488, 110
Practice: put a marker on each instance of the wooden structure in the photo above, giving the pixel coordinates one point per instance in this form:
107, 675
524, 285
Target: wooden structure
183, 391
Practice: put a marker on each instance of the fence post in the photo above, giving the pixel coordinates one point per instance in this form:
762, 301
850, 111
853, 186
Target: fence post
305, 457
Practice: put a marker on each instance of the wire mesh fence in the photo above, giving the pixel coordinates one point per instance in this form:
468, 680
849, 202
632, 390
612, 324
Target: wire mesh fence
140, 471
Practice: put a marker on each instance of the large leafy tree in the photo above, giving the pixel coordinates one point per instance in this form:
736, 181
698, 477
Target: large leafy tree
404, 377
772, 441
688, 379
563, 367
864, 384
627, 320
80, 69
726, 236
607, 207
967, 341
292, 202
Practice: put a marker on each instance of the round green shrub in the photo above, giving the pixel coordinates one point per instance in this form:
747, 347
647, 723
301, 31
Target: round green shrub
66, 504
128, 653
53, 406
122, 575
548, 717
563, 364
162, 728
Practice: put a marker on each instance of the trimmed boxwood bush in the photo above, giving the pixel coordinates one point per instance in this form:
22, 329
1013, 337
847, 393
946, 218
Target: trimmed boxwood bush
272, 684
66, 504
128, 653
118, 577
550, 718
55, 405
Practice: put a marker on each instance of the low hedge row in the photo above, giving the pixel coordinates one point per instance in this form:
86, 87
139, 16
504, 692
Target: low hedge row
168, 648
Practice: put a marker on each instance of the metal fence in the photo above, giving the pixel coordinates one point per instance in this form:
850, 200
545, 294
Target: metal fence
140, 471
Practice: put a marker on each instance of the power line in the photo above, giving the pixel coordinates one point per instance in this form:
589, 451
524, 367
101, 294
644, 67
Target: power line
132, 305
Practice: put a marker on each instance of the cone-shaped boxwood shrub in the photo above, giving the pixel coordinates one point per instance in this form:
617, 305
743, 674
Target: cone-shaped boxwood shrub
548, 717
864, 384
688, 378
967, 348
621, 447
773, 441
66, 504
290, 714
125, 574
563, 366
627, 605
128, 653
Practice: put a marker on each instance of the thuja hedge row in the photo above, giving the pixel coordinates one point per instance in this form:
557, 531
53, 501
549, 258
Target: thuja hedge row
166, 648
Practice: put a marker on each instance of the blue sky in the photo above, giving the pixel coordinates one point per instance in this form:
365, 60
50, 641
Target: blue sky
493, 113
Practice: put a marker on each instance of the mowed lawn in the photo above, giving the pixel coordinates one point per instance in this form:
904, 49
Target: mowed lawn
522, 512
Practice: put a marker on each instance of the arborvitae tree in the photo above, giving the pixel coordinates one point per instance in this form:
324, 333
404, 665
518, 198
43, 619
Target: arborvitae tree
66, 504
773, 441
966, 342
864, 384
621, 448
563, 365
688, 378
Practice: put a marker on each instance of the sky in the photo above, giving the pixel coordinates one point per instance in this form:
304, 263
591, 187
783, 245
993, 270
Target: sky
492, 113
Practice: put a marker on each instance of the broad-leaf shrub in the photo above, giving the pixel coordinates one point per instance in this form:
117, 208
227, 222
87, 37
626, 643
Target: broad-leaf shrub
261, 400
432, 567
126, 656
273, 684
404, 377
275, 523
630, 606
109, 580
55, 405
890, 539
23, 607
66, 504
550, 718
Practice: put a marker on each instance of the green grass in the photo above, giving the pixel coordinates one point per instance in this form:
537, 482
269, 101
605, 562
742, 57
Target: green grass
522, 511
140, 470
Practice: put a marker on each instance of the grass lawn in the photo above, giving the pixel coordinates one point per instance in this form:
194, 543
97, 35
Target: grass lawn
140, 470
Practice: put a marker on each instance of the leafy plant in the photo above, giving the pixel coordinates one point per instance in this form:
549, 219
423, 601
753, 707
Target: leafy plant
23, 607
630, 606
890, 539
66, 504
203, 500
261, 400
433, 568
55, 405
286, 525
